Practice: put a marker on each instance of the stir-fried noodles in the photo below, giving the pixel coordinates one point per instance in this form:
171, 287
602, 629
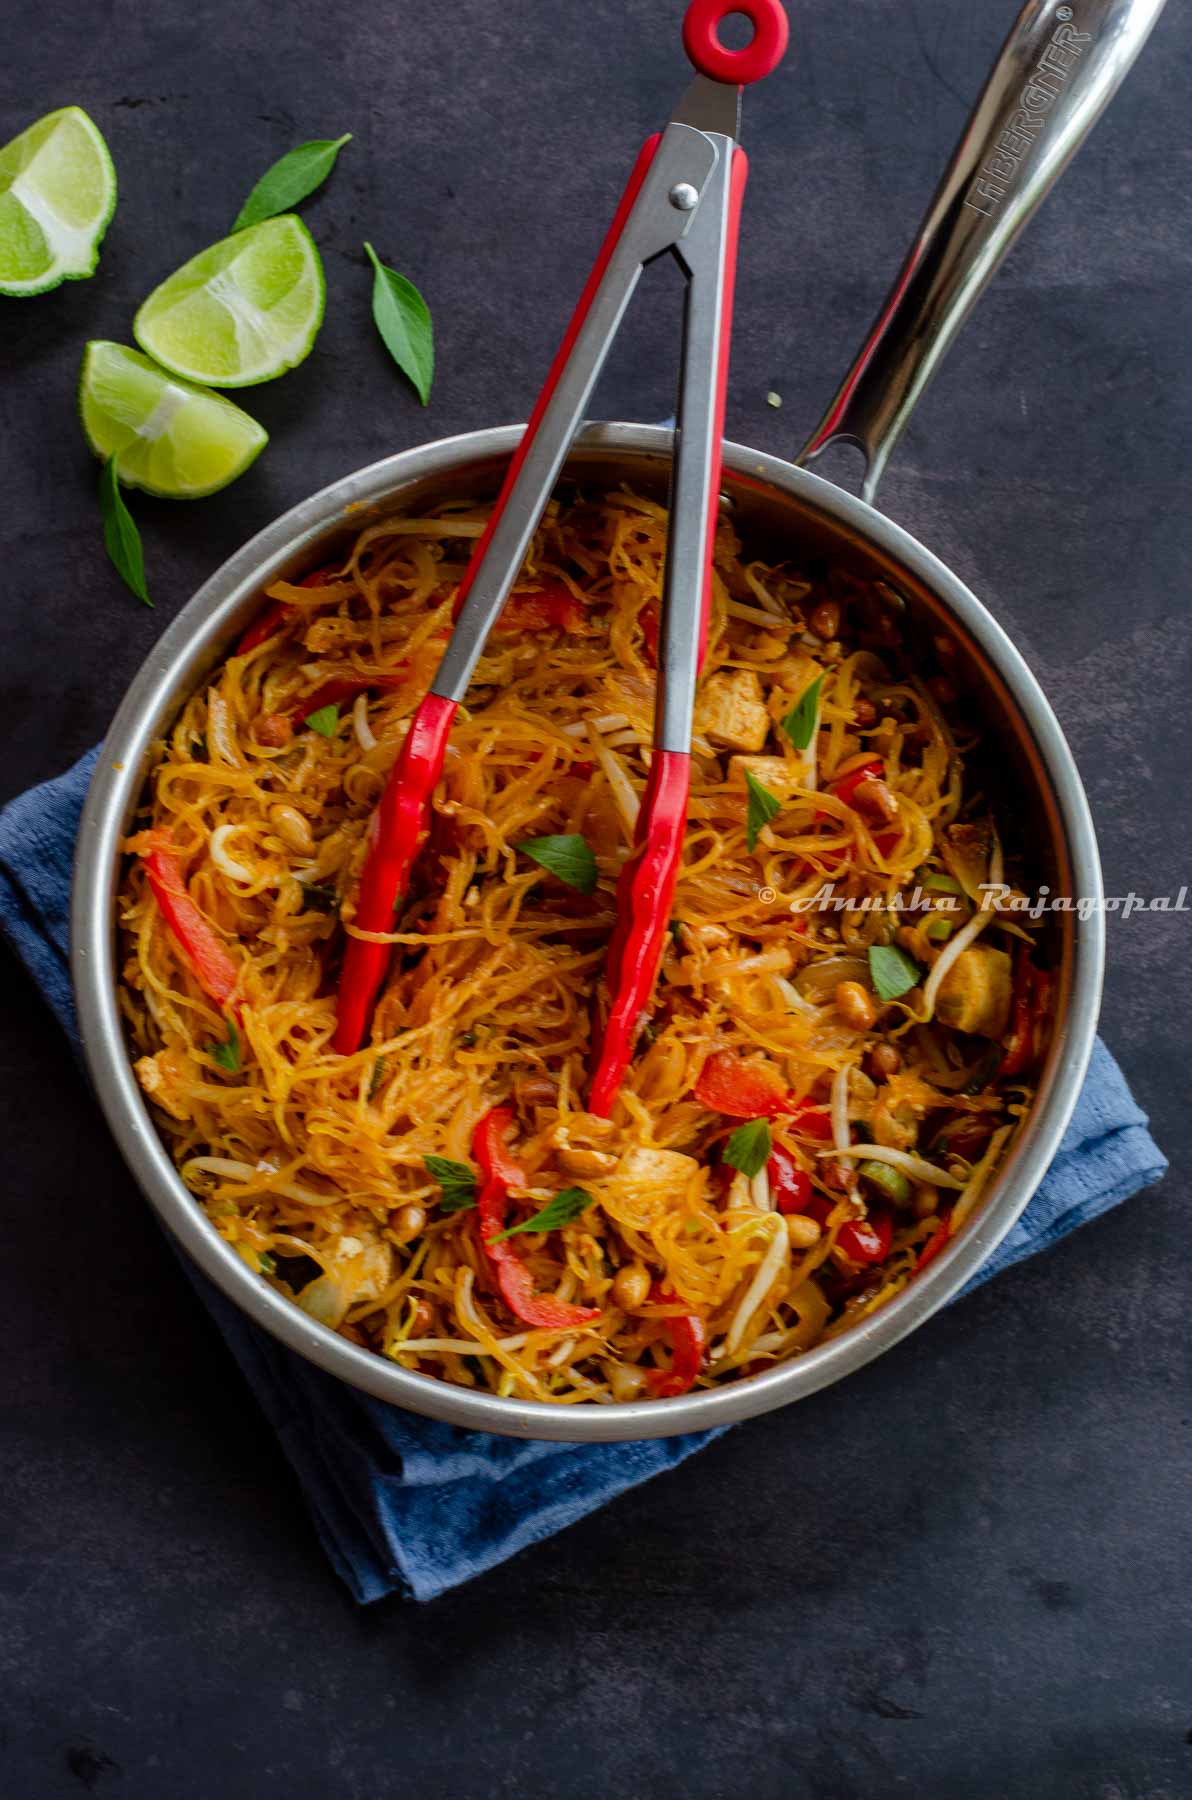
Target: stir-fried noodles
843, 1032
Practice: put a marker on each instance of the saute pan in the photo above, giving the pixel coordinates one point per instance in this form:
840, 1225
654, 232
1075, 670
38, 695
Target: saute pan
1059, 68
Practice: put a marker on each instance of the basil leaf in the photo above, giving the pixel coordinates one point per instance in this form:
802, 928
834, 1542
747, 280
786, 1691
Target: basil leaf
799, 723
749, 1148
227, 1055
295, 175
564, 1209
122, 540
892, 971
324, 721
402, 317
457, 1200
763, 806
569, 858
318, 898
457, 1181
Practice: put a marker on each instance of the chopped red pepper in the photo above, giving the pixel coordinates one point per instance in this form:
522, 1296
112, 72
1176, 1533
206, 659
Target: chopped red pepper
845, 789
333, 693
270, 620
819, 1207
689, 1337
1032, 996
553, 608
867, 1240
935, 1242
790, 1186
741, 1090
812, 1120
195, 936
728, 1084
492, 1152
514, 1280
274, 617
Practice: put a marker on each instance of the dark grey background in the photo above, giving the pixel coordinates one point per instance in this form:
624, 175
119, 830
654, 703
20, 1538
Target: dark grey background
966, 1571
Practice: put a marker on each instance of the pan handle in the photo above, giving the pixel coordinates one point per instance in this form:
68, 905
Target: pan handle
1058, 70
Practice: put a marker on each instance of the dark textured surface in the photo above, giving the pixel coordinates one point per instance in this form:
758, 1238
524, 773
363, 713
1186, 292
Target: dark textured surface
966, 1571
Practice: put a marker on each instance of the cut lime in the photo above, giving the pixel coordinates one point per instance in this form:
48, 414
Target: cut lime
57, 193
168, 436
246, 310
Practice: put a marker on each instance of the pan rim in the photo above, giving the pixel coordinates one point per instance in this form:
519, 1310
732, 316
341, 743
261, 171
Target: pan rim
191, 643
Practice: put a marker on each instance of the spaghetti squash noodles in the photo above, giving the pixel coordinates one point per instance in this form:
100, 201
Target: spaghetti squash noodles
842, 1037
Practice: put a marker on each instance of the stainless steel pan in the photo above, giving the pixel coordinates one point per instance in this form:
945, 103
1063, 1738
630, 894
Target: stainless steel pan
1059, 68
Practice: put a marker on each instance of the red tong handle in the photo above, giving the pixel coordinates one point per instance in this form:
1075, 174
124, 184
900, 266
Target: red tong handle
760, 57
399, 823
644, 893
647, 884
395, 833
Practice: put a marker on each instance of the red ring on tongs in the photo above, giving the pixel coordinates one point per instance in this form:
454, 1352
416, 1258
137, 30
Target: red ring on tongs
763, 53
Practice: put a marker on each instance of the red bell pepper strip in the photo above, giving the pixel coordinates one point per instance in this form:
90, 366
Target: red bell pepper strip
813, 1121
867, 1240
935, 1242
555, 608
195, 936
514, 1280
274, 617
846, 788
689, 1337
1032, 993
270, 620
790, 1186
332, 693
728, 1084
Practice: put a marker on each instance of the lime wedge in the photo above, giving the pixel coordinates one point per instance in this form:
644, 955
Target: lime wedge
246, 310
57, 193
168, 436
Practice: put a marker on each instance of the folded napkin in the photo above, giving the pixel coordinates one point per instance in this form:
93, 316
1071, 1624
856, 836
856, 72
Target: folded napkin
404, 1504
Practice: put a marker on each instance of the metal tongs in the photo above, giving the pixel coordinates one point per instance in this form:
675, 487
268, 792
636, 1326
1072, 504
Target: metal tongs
684, 195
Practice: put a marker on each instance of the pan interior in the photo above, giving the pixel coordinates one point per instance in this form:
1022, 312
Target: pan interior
781, 514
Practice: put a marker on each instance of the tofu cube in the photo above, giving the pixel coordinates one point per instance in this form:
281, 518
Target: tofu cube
731, 711
657, 1168
778, 776
975, 993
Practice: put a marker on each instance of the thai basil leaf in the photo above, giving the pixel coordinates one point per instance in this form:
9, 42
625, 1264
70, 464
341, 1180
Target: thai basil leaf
564, 1209
749, 1148
403, 319
122, 540
799, 723
763, 806
295, 175
569, 858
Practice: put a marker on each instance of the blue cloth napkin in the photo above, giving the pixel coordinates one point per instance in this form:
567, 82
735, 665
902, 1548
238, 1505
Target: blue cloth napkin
408, 1505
